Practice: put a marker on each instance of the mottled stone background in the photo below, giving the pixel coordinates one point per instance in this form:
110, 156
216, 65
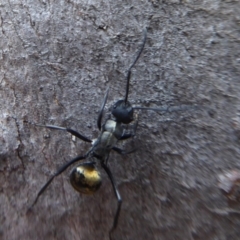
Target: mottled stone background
57, 58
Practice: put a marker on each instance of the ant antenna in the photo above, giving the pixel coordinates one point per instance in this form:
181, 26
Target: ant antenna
129, 70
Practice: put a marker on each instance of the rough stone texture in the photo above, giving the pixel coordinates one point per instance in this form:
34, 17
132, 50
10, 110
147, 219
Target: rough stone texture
57, 59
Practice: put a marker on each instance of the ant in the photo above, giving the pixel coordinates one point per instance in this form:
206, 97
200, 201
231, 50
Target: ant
85, 178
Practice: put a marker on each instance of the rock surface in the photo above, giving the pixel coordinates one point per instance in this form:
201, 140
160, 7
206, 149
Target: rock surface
57, 59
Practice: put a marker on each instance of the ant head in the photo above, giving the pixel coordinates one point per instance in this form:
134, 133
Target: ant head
123, 112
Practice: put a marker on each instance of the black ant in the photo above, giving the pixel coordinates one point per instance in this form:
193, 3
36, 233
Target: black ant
85, 178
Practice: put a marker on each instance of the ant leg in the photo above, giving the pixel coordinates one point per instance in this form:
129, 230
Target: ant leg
119, 199
73, 132
126, 136
59, 171
99, 120
132, 134
123, 152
